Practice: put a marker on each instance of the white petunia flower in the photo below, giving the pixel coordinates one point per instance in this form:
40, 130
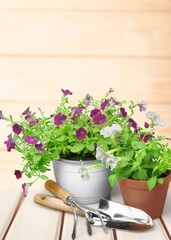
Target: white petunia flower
100, 154
109, 131
84, 172
107, 159
155, 119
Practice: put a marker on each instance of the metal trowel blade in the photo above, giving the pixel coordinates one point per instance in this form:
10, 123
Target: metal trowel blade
120, 216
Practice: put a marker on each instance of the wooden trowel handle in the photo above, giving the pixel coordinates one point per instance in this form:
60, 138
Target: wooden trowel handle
54, 203
58, 191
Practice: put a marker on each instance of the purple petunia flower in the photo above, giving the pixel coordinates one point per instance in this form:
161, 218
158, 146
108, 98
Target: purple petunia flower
81, 133
59, 119
74, 117
133, 123
17, 128
66, 92
10, 143
2, 116
25, 188
110, 90
113, 102
88, 100
94, 112
27, 111
104, 104
39, 147
142, 106
146, 125
30, 140
33, 122
123, 112
145, 138
78, 110
18, 174
99, 119
28, 114
141, 136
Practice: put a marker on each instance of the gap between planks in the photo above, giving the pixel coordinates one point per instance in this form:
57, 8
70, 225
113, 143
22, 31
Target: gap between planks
61, 227
165, 228
87, 10
21, 199
107, 56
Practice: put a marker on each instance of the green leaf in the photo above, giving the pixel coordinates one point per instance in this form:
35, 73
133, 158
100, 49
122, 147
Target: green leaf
126, 172
77, 147
42, 168
37, 158
140, 155
160, 180
152, 182
55, 154
90, 147
142, 175
135, 176
44, 177
135, 165
137, 145
129, 153
123, 163
95, 130
112, 180
61, 139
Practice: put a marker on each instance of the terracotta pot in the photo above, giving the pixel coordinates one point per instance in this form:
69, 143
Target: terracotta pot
136, 194
84, 191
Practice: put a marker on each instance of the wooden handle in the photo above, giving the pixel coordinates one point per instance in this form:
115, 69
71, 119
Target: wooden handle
58, 191
55, 203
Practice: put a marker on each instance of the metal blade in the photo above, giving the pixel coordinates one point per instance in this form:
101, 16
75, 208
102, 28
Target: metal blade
119, 216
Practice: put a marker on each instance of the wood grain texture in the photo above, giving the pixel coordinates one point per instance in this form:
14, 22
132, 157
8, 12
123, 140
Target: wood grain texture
47, 221
8, 203
121, 34
166, 216
39, 80
88, 5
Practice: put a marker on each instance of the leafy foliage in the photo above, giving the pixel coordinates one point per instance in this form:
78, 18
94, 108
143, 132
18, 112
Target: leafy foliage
79, 132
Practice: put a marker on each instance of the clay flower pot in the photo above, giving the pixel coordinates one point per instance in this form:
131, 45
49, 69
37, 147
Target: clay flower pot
136, 194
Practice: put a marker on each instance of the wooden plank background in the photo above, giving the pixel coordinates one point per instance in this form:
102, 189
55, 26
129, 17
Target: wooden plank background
88, 47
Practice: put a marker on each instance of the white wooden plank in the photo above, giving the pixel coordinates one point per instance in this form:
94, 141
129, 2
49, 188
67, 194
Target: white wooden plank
9, 200
166, 216
121, 34
40, 79
10, 189
88, 4
157, 232
35, 222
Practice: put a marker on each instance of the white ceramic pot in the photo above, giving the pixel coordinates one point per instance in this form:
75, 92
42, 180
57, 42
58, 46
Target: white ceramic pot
84, 191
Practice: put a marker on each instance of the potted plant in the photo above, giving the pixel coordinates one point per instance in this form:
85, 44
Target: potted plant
68, 138
94, 140
144, 160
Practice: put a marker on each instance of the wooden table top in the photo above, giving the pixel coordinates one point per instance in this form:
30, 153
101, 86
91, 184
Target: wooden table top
22, 219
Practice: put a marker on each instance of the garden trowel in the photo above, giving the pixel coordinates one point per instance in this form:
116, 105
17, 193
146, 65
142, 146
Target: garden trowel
109, 215
120, 216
